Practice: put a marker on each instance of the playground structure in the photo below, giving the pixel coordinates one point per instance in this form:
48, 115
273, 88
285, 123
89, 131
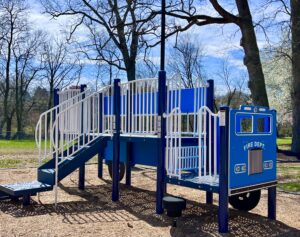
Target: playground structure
160, 123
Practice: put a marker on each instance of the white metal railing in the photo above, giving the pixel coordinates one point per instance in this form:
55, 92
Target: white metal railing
207, 143
68, 94
139, 106
189, 157
200, 158
45, 125
70, 135
173, 143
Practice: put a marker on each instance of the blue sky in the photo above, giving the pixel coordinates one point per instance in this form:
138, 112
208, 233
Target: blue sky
218, 42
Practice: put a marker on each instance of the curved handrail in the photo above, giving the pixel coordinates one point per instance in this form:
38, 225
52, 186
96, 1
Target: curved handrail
64, 103
208, 110
61, 113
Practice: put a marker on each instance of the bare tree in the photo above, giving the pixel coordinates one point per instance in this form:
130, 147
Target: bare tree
189, 12
147, 68
60, 66
27, 66
186, 60
233, 90
128, 24
100, 51
277, 16
13, 14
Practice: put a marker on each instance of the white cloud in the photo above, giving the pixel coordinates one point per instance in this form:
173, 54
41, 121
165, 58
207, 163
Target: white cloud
56, 27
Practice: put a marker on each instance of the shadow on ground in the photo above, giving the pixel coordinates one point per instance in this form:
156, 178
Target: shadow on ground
137, 204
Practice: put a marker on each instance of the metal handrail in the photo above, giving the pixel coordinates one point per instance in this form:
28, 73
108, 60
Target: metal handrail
50, 111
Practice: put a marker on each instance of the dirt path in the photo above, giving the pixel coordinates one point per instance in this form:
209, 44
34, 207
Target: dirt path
91, 212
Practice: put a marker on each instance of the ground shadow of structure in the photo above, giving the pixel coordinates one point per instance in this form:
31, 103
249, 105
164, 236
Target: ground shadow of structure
137, 204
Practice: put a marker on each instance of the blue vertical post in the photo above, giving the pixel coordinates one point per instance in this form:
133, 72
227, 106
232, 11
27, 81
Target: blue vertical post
82, 168
100, 127
100, 165
162, 105
55, 103
81, 177
210, 97
272, 203
129, 116
128, 163
160, 182
223, 182
210, 104
116, 139
55, 97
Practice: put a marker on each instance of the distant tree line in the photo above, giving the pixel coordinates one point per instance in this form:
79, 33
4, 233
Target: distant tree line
29, 58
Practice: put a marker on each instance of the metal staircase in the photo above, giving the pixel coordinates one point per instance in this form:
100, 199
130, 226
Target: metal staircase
67, 136
47, 172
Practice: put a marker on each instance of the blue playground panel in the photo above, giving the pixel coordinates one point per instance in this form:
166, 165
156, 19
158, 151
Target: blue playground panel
252, 146
143, 150
186, 105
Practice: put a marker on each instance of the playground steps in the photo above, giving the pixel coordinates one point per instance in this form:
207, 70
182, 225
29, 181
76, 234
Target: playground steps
46, 172
21, 189
24, 190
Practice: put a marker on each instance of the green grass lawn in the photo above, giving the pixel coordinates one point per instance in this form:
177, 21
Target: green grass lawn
284, 143
10, 163
17, 144
290, 187
20, 154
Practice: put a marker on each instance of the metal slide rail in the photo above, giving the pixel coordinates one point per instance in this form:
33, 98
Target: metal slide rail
201, 159
44, 126
139, 107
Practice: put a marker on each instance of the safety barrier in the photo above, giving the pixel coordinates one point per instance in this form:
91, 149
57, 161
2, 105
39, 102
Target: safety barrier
139, 107
45, 126
201, 159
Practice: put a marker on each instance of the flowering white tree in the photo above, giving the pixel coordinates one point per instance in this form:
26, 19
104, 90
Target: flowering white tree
278, 74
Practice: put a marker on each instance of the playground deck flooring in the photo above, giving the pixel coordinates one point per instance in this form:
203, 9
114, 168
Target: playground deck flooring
92, 213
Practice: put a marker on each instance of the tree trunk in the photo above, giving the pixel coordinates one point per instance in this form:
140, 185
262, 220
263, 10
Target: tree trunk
18, 101
8, 127
51, 90
252, 59
130, 70
295, 17
2, 123
20, 118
